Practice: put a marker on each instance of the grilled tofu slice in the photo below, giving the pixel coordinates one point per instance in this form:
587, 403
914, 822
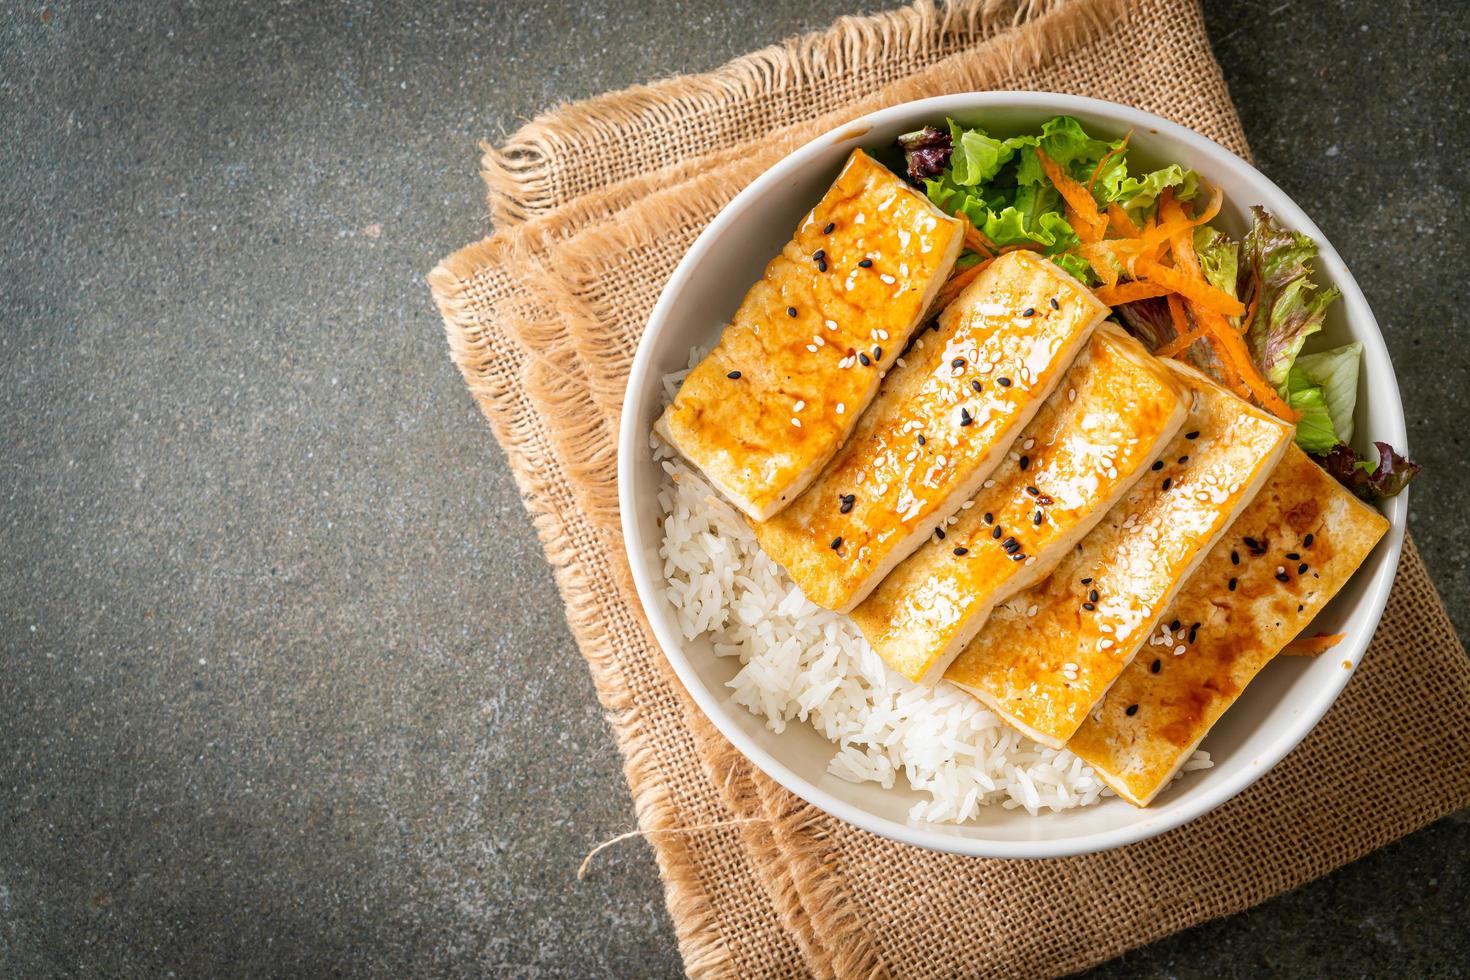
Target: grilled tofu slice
941, 424
802, 357
1114, 411
1046, 656
1297, 543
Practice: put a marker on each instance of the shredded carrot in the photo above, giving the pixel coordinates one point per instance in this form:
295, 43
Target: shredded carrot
1121, 223
1181, 343
1090, 224
1196, 290
1105, 158
1181, 243
1177, 317
1173, 223
1129, 292
976, 241
1310, 646
957, 283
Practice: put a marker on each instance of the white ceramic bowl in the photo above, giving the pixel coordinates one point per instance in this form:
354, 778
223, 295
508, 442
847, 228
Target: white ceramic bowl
1276, 711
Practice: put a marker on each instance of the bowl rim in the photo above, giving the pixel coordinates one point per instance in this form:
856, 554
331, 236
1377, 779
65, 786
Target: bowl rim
632, 440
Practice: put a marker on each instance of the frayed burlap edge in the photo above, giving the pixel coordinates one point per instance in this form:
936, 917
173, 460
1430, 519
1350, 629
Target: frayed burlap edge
521, 178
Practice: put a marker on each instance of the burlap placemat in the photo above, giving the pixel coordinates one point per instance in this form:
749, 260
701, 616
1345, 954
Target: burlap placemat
595, 204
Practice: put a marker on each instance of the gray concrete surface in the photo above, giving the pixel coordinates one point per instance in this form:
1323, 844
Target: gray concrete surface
285, 688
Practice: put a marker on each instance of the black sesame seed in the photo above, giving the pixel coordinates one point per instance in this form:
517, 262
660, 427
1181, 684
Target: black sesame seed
791, 311
733, 375
846, 506
1252, 544
961, 552
1293, 556
1193, 632
1132, 710
1087, 581
958, 362
1233, 583
821, 265
1019, 556
819, 254
989, 518
865, 359
997, 532
1168, 482
1174, 626
1283, 577
939, 533
1156, 665
1183, 459
1003, 382
1192, 435
1307, 541
1301, 569
1092, 596
1300, 607
922, 440
965, 417
1036, 518
877, 353
1010, 544
1158, 465
1032, 491
1054, 304
866, 263
934, 325
1089, 606
836, 543
831, 225
1235, 558
1029, 311
1025, 462
975, 385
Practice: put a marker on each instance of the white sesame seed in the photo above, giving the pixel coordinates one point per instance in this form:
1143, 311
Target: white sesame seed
796, 422
812, 348
830, 324
901, 363
882, 334
913, 454
988, 484
1071, 394
1104, 643
1031, 612
967, 505
841, 408
800, 404
1069, 666
817, 339
919, 344
1029, 561
888, 279
1028, 443
1179, 650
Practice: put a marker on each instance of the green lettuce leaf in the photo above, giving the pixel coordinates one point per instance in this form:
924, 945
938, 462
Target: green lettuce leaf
1065, 141
1290, 307
1138, 194
1219, 259
978, 157
1314, 431
1336, 373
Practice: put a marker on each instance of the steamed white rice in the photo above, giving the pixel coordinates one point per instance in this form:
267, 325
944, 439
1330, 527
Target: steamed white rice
801, 662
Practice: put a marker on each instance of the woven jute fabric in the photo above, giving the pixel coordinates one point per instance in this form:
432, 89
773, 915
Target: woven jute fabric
594, 204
